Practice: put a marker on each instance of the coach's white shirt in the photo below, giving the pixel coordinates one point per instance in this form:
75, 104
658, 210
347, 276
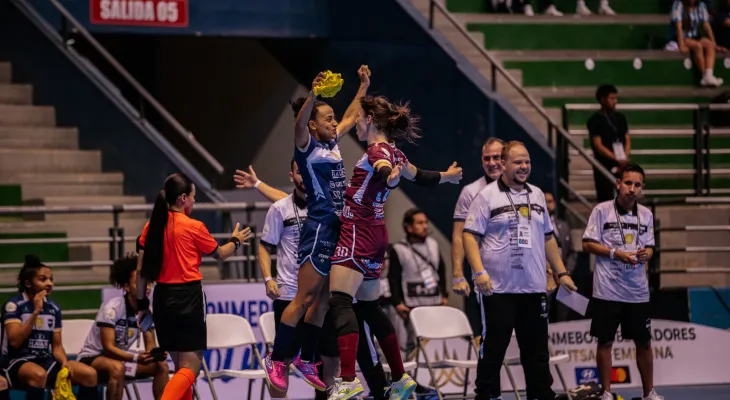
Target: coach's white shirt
613, 280
491, 216
281, 230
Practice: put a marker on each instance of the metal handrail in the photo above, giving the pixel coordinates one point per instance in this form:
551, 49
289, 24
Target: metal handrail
496, 66
82, 209
637, 107
106, 263
69, 288
89, 240
187, 135
573, 211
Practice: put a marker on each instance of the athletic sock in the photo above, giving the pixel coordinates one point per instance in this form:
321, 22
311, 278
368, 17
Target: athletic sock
179, 385
348, 354
284, 343
310, 341
391, 351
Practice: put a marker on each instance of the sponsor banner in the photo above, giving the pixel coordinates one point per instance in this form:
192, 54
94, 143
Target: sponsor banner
158, 13
249, 301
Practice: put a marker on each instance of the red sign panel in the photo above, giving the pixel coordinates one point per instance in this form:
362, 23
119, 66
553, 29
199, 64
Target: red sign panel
165, 13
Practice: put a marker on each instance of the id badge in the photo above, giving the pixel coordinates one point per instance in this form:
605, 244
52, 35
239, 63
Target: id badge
429, 281
130, 369
618, 151
524, 238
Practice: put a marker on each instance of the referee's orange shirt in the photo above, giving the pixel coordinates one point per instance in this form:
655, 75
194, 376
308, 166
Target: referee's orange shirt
186, 240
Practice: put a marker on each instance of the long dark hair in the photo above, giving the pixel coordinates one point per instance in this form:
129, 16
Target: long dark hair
394, 120
175, 186
27, 272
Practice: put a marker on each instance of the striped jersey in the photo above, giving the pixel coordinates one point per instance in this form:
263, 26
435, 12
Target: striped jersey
612, 279
324, 179
691, 22
365, 197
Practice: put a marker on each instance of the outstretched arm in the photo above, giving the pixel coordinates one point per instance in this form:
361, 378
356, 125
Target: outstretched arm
301, 129
432, 178
249, 180
350, 117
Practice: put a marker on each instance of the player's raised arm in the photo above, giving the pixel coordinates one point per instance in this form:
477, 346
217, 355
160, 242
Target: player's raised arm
350, 117
301, 130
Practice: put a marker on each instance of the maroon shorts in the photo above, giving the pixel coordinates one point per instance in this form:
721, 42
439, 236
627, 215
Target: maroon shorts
362, 248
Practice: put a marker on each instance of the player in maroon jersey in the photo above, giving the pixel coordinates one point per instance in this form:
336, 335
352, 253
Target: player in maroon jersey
360, 251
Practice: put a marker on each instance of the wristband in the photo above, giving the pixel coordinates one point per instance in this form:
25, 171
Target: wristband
143, 304
562, 274
235, 241
459, 280
267, 279
135, 356
480, 273
256, 185
612, 253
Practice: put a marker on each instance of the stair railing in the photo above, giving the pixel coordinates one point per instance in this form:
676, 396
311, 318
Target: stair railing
556, 133
135, 115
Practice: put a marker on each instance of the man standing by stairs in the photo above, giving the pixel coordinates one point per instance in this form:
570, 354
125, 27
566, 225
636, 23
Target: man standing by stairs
610, 141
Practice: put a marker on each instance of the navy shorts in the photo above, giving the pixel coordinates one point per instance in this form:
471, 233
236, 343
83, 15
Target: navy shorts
49, 364
317, 243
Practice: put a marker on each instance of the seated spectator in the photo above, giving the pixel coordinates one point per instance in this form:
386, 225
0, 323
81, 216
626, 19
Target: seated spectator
33, 353
107, 345
526, 7
721, 26
690, 31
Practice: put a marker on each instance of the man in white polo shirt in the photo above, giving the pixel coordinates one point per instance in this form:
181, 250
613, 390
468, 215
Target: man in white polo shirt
507, 238
620, 233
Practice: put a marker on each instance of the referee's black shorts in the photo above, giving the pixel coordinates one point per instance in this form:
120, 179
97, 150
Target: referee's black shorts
179, 316
634, 318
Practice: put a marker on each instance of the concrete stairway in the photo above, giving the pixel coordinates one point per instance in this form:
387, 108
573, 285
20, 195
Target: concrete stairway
47, 164
547, 56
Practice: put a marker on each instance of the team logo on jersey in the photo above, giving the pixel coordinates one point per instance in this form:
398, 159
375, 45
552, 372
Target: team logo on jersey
629, 237
11, 307
110, 313
39, 323
525, 212
130, 333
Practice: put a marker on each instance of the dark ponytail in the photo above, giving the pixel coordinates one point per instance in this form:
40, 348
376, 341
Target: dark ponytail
27, 272
394, 120
175, 186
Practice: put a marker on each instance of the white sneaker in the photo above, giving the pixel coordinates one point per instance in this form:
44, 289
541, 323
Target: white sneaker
403, 388
653, 396
605, 9
552, 10
582, 9
607, 396
528, 10
344, 390
711, 81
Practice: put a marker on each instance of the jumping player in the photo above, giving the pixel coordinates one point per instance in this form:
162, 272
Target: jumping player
281, 231
363, 242
315, 137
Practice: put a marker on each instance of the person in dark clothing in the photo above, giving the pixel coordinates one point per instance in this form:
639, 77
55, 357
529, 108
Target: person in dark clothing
610, 140
721, 26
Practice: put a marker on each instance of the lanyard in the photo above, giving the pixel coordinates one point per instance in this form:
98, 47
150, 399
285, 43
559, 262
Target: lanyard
427, 258
517, 214
621, 229
296, 213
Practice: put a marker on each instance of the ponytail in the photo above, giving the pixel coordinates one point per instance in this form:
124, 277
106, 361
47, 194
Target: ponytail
393, 120
155, 240
27, 272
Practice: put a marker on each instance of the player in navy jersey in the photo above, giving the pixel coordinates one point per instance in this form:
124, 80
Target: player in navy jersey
316, 133
360, 251
33, 352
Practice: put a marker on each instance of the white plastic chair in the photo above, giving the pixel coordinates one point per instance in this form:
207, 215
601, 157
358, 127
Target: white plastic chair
227, 331
554, 361
440, 323
74, 334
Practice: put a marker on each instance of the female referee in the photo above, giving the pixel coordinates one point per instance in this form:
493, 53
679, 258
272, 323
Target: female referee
171, 246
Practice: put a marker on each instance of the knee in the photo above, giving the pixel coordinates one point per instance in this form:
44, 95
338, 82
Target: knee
344, 317
305, 299
116, 372
605, 345
161, 368
707, 44
37, 379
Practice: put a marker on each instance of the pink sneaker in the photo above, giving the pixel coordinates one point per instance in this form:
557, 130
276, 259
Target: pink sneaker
276, 373
308, 372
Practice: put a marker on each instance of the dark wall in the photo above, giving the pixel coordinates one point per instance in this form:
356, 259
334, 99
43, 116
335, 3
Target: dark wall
407, 65
57, 82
